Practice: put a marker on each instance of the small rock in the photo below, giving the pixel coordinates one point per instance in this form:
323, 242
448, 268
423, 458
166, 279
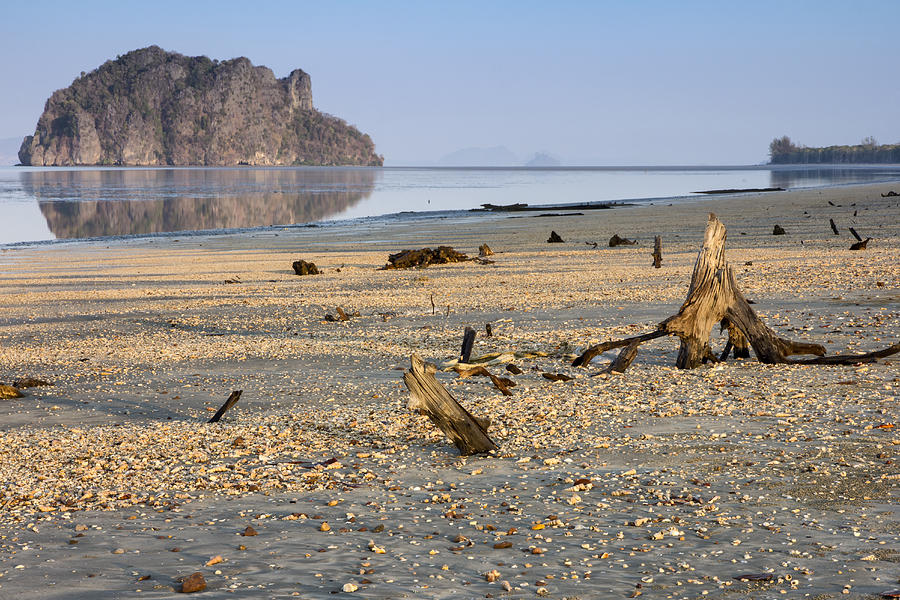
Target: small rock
81, 527
350, 587
119, 551
554, 238
778, 230
492, 576
214, 560
485, 250
193, 583
324, 526
249, 532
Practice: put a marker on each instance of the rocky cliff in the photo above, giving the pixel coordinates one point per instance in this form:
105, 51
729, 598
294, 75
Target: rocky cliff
152, 107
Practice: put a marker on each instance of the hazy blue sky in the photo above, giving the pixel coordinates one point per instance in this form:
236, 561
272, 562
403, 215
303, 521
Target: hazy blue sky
669, 82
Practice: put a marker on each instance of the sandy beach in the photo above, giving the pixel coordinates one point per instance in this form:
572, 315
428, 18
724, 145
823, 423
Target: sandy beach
658, 483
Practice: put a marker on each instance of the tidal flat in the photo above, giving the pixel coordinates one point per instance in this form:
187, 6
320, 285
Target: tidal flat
733, 480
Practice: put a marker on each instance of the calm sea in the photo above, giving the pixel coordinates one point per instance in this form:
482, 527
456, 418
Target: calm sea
39, 205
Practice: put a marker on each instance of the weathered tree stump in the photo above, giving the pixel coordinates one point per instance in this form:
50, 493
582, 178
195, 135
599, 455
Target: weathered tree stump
778, 230
657, 252
430, 398
554, 238
834, 227
714, 297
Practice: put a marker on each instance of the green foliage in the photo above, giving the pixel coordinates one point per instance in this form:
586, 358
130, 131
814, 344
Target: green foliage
782, 151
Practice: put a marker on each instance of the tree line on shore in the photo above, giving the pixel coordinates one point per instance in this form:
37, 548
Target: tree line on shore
783, 151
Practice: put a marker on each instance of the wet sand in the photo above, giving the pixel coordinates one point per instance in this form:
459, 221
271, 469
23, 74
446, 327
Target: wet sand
657, 483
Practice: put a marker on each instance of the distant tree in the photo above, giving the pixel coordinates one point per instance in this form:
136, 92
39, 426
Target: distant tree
780, 146
869, 141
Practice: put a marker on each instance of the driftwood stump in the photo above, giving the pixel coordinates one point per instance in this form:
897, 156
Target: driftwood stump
430, 398
714, 297
657, 252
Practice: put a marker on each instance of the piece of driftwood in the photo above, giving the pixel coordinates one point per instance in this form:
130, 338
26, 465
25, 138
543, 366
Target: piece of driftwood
556, 376
615, 240
488, 330
856, 235
501, 383
741, 190
232, 400
513, 369
554, 238
485, 250
468, 341
714, 297
407, 259
657, 252
625, 358
302, 267
778, 230
834, 227
9, 392
890, 194
429, 397
588, 355
29, 382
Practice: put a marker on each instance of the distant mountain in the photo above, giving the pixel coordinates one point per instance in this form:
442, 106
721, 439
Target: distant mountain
543, 159
152, 107
9, 148
498, 156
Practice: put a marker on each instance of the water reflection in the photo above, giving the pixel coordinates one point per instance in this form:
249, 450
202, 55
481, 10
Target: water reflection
92, 203
815, 176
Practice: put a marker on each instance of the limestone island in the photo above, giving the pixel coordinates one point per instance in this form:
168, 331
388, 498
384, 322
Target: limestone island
151, 107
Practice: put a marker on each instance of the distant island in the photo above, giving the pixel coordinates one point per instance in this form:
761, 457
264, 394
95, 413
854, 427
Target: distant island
150, 107
782, 151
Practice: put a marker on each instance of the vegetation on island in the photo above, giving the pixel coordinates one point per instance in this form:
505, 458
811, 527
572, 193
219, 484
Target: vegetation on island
783, 151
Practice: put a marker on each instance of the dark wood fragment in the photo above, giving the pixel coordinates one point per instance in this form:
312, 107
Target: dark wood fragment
488, 330
554, 238
29, 382
615, 240
485, 250
407, 259
232, 400
468, 342
556, 377
513, 369
429, 397
302, 267
860, 245
778, 230
657, 252
834, 227
856, 235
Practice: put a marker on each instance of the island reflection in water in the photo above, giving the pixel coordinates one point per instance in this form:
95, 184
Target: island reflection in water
116, 202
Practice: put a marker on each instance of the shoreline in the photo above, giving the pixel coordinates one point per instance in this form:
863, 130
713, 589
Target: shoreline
500, 211
689, 479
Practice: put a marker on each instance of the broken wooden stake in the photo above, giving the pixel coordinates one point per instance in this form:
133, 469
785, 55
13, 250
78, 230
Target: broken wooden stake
488, 330
468, 341
429, 397
834, 227
657, 252
485, 250
778, 230
860, 243
232, 400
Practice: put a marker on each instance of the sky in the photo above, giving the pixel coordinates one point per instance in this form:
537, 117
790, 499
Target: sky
605, 83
